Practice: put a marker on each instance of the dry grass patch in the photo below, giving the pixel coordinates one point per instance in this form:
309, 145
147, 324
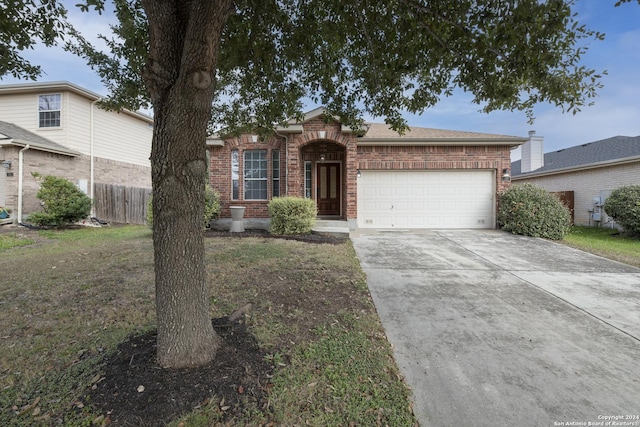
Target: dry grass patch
72, 301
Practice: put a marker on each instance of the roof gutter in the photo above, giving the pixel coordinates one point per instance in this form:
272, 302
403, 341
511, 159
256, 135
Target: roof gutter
40, 147
439, 141
577, 168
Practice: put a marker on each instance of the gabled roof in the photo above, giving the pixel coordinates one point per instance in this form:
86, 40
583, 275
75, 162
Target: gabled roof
618, 149
382, 134
11, 134
60, 86
296, 126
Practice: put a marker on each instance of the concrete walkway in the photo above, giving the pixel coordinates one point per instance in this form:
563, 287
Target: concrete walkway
492, 329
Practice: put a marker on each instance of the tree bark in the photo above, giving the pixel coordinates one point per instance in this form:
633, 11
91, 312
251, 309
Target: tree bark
184, 40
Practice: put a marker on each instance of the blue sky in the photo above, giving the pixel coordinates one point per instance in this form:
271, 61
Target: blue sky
616, 110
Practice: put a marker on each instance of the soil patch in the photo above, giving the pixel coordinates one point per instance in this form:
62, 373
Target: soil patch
308, 238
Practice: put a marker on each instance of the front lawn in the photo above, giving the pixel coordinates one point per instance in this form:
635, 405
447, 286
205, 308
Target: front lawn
77, 309
605, 242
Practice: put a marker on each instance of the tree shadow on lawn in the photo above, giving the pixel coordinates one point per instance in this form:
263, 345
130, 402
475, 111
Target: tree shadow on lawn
238, 380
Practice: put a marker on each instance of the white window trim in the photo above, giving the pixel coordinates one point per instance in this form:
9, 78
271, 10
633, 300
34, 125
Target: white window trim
307, 190
44, 111
265, 179
237, 178
275, 180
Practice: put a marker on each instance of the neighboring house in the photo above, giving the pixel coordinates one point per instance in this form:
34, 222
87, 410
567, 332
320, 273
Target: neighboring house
426, 178
57, 129
591, 171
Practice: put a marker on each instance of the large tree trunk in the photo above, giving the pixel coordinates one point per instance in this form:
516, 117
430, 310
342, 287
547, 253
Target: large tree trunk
180, 76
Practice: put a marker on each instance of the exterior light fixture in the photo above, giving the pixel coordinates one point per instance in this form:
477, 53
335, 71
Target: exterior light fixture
358, 174
322, 158
505, 175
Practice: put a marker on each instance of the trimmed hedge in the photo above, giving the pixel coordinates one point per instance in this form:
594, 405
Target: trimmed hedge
63, 202
529, 210
623, 205
292, 215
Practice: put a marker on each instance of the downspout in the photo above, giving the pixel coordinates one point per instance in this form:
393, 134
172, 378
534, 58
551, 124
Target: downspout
92, 167
20, 173
286, 162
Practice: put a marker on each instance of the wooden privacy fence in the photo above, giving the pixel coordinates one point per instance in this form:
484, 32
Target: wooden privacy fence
117, 203
567, 198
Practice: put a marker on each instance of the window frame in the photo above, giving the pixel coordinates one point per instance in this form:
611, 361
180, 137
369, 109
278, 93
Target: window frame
308, 179
235, 174
46, 117
275, 173
262, 178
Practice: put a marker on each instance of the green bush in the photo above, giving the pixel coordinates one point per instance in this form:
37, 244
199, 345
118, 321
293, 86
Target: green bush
149, 217
63, 203
211, 206
532, 211
623, 205
292, 215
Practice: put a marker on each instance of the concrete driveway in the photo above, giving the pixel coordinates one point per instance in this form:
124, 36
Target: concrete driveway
492, 329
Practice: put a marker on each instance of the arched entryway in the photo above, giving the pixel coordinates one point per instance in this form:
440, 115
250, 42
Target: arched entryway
324, 177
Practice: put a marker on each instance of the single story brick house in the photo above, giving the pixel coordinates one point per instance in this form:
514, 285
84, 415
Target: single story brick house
425, 178
588, 171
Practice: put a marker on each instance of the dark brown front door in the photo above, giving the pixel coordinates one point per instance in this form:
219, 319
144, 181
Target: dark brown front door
328, 194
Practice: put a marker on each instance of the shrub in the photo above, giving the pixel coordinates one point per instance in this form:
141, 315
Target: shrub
623, 205
63, 203
532, 211
149, 217
211, 206
292, 215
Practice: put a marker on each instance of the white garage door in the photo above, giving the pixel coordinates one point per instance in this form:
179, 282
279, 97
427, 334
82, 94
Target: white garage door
426, 199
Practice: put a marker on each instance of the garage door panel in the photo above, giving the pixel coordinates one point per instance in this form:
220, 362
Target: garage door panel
426, 199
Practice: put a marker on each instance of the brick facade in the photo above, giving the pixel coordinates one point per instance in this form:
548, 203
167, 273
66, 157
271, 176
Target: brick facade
321, 141
72, 168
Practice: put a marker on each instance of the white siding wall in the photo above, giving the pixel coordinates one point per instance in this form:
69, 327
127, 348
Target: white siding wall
3, 184
121, 137
588, 184
20, 109
117, 136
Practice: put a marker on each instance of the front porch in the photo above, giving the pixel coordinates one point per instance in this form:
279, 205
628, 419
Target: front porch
331, 228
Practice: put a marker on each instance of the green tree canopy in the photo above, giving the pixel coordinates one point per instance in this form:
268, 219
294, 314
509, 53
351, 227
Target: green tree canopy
383, 58
24, 24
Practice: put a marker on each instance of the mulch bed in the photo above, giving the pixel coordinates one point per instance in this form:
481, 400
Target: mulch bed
133, 390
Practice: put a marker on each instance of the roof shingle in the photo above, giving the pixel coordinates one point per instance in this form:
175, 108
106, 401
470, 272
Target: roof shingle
10, 131
610, 149
379, 130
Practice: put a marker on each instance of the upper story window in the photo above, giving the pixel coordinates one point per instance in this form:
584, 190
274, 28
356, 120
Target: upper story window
49, 110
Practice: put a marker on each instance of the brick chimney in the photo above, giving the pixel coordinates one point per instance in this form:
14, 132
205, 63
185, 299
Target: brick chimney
532, 153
